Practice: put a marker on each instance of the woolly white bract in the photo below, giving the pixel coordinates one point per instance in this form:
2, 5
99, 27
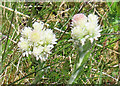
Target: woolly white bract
37, 41
85, 28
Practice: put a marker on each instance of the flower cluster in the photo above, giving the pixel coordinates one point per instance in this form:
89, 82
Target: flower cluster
85, 28
37, 41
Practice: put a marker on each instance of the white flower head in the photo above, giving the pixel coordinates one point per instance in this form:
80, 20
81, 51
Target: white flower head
93, 18
47, 49
91, 28
93, 32
37, 41
38, 26
35, 36
37, 50
79, 19
26, 31
85, 28
78, 32
23, 44
49, 37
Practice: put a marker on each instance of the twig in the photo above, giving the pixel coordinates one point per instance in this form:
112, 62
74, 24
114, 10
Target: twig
60, 30
87, 80
4, 37
4, 76
111, 34
17, 12
107, 45
18, 65
105, 74
82, 81
108, 49
19, 71
70, 63
114, 51
97, 12
63, 33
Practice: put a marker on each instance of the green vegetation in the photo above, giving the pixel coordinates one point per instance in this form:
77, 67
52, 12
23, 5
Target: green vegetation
101, 67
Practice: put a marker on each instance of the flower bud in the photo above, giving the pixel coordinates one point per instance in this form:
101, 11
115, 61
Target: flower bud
79, 19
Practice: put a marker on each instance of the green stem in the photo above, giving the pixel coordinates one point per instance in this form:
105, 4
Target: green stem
83, 54
81, 57
39, 74
78, 68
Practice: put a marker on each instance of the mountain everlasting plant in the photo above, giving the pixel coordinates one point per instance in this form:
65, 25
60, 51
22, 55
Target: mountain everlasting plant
85, 28
37, 41
84, 31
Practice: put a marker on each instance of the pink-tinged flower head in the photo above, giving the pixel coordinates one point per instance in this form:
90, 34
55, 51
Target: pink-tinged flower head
85, 28
79, 19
